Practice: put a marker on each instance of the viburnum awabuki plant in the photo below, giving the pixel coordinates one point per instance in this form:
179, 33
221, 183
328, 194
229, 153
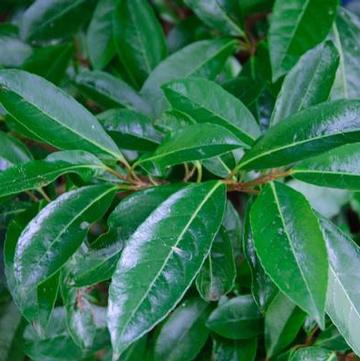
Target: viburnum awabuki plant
179, 180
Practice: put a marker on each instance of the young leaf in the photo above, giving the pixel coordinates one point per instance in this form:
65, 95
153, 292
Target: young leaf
99, 36
49, 19
308, 83
283, 321
217, 276
109, 91
196, 142
52, 115
338, 168
12, 152
237, 318
305, 134
313, 354
342, 304
215, 14
346, 36
143, 289
98, 264
234, 350
50, 62
205, 101
139, 39
293, 31
184, 333
131, 130
204, 58
288, 233
39, 173
56, 232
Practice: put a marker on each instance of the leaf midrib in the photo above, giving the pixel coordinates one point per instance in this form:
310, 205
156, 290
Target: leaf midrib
178, 240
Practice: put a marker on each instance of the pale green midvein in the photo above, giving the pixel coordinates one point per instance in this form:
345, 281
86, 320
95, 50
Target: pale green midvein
277, 202
70, 223
178, 240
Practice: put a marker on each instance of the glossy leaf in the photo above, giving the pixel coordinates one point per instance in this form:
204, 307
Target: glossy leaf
109, 91
308, 83
313, 354
262, 287
283, 321
56, 232
205, 101
215, 14
217, 275
305, 134
131, 130
98, 264
196, 142
338, 168
12, 152
234, 350
237, 318
289, 234
203, 58
48, 19
50, 62
331, 339
51, 114
139, 39
293, 30
342, 304
180, 231
346, 36
184, 333
99, 36
39, 173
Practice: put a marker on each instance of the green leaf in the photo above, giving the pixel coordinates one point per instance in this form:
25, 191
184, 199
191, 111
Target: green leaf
14, 51
52, 115
293, 30
216, 14
12, 152
237, 318
99, 36
139, 39
196, 142
288, 234
283, 321
308, 83
55, 344
39, 173
305, 134
338, 168
346, 36
131, 130
203, 58
205, 101
109, 91
342, 304
313, 354
217, 275
331, 339
49, 19
145, 288
98, 263
56, 232
50, 62
262, 288
11, 329
234, 350
36, 304
184, 333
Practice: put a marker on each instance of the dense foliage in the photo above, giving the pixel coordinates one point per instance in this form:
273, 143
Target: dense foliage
179, 180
